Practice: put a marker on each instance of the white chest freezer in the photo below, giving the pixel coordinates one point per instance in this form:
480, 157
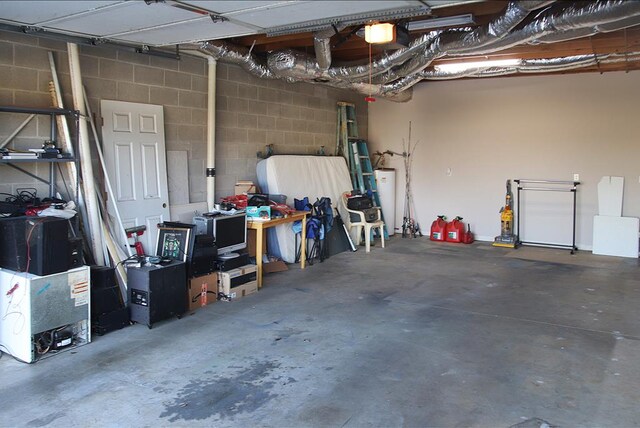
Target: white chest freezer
42, 315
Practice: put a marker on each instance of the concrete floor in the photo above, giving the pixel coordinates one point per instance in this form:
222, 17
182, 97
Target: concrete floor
417, 334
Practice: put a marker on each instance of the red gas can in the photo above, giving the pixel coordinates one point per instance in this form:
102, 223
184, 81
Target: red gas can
455, 230
468, 236
438, 228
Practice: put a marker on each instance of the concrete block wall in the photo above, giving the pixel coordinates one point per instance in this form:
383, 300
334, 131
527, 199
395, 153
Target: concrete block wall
250, 113
110, 74
253, 113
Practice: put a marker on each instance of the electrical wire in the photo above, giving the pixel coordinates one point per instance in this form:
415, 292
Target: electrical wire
7, 351
33, 226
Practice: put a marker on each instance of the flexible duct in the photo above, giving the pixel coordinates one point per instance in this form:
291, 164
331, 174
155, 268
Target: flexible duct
386, 61
535, 66
429, 47
322, 45
532, 66
572, 23
498, 28
453, 41
294, 64
589, 31
237, 55
393, 74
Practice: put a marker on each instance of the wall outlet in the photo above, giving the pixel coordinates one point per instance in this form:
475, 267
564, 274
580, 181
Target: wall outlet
448, 172
576, 177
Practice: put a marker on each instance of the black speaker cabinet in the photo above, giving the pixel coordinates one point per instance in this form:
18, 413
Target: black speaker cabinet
203, 258
111, 321
157, 292
39, 243
103, 277
105, 300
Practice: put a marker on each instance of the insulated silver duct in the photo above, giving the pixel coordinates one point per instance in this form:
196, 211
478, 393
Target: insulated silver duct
533, 66
322, 45
294, 64
497, 29
398, 71
572, 23
455, 40
422, 53
386, 61
589, 31
237, 55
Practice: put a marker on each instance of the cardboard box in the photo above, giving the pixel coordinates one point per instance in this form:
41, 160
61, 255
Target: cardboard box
251, 242
228, 281
274, 266
202, 291
243, 290
259, 213
243, 187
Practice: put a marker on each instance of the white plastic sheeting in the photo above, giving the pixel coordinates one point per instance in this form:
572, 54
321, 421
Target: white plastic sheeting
297, 177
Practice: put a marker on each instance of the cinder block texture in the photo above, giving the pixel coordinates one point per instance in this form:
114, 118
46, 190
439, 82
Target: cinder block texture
250, 112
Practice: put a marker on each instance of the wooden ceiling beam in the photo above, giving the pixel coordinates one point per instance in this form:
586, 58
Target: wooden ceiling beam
355, 49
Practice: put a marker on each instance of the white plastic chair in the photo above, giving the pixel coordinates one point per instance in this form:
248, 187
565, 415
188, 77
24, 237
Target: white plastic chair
362, 223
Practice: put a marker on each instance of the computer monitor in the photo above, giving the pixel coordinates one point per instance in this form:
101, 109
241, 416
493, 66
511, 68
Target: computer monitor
230, 232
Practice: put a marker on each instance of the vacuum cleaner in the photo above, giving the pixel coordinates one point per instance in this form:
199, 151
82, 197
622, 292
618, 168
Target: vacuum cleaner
506, 238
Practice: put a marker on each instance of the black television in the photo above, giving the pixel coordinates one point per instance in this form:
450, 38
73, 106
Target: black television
230, 232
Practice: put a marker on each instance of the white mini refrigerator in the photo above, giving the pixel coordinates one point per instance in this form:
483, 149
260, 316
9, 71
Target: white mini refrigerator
43, 315
386, 180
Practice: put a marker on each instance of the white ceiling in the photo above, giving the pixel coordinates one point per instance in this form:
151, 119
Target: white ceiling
171, 22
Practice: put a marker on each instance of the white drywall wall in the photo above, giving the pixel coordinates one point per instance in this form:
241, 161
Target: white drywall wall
536, 127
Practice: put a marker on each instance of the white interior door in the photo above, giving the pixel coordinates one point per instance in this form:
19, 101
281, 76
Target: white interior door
134, 151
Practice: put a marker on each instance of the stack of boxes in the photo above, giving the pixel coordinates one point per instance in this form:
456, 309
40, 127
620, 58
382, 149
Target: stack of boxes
226, 285
238, 282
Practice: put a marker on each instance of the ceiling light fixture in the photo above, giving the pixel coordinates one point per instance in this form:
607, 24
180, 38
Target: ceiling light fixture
447, 21
379, 33
454, 67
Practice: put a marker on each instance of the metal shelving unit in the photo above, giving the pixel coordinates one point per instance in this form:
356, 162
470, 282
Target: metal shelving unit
52, 112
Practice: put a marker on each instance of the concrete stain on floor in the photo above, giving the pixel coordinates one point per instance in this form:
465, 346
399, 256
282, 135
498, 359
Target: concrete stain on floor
224, 397
405, 336
45, 420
